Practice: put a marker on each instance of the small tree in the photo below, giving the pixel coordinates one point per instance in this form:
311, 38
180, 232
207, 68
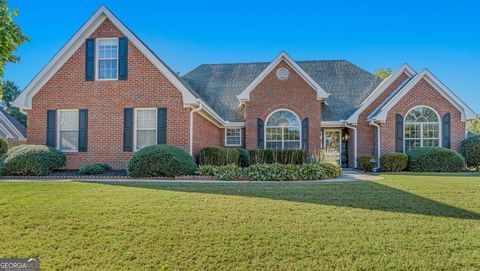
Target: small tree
10, 36
474, 126
383, 73
470, 150
10, 92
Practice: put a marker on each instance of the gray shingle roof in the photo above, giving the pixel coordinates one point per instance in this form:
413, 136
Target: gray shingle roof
20, 127
219, 84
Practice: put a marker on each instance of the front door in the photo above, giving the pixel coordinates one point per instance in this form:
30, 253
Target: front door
332, 145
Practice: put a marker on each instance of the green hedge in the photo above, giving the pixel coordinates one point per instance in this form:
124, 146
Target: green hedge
296, 157
94, 169
218, 156
470, 150
394, 161
435, 159
365, 163
161, 161
272, 172
3, 146
33, 160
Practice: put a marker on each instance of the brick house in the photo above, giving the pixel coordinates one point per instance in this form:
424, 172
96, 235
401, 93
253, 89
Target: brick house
105, 94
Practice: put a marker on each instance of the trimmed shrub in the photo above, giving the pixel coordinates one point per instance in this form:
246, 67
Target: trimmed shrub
228, 172
366, 163
94, 169
206, 170
218, 156
244, 157
394, 161
470, 150
3, 146
319, 171
295, 157
34, 160
272, 172
161, 161
435, 159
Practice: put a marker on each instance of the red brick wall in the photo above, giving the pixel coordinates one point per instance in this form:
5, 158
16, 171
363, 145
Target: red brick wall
105, 100
422, 94
366, 132
205, 134
293, 93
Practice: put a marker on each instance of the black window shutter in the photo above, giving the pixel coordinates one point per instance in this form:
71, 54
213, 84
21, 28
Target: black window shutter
305, 134
446, 131
90, 60
82, 130
162, 125
128, 129
260, 134
398, 133
51, 127
122, 58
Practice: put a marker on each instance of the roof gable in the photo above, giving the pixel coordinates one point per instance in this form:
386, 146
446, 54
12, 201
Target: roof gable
283, 56
405, 68
382, 112
24, 100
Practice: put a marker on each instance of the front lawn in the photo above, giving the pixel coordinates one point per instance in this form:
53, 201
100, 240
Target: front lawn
400, 223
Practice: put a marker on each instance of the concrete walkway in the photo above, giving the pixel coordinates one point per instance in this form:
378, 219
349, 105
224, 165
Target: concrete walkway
347, 176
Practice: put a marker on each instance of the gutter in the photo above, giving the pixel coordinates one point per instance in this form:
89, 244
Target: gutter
354, 144
378, 144
191, 126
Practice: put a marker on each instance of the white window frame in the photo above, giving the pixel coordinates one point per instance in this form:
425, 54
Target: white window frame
421, 138
58, 128
226, 137
97, 50
282, 140
135, 126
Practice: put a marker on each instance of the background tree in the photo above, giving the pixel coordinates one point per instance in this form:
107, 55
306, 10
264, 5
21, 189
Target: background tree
474, 126
383, 73
10, 36
10, 92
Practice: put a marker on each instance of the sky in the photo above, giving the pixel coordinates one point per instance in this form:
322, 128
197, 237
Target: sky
443, 36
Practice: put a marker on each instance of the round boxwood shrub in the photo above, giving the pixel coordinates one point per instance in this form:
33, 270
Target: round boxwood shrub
3, 146
394, 161
244, 157
94, 169
35, 160
161, 161
435, 159
470, 150
366, 162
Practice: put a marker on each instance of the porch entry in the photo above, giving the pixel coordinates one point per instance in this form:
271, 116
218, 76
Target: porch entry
332, 145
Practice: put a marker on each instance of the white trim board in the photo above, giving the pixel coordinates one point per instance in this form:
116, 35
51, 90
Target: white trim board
321, 93
467, 112
405, 68
24, 100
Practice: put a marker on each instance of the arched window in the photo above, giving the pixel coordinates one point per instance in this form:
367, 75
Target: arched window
282, 130
422, 128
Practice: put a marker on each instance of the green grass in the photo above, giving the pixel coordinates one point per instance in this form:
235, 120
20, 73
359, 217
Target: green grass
400, 223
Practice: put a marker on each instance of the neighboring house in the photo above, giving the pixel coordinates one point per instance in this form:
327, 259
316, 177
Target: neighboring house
105, 95
11, 129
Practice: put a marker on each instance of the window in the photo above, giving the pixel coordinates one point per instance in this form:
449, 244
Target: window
145, 128
422, 128
107, 59
233, 137
282, 131
67, 122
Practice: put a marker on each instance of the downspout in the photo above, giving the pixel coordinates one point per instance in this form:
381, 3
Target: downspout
378, 144
191, 126
354, 144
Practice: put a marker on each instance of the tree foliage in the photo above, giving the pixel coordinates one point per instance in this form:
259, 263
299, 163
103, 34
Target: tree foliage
9, 91
474, 126
383, 73
11, 36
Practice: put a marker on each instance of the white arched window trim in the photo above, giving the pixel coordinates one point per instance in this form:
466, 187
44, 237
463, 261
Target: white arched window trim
283, 142
421, 129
